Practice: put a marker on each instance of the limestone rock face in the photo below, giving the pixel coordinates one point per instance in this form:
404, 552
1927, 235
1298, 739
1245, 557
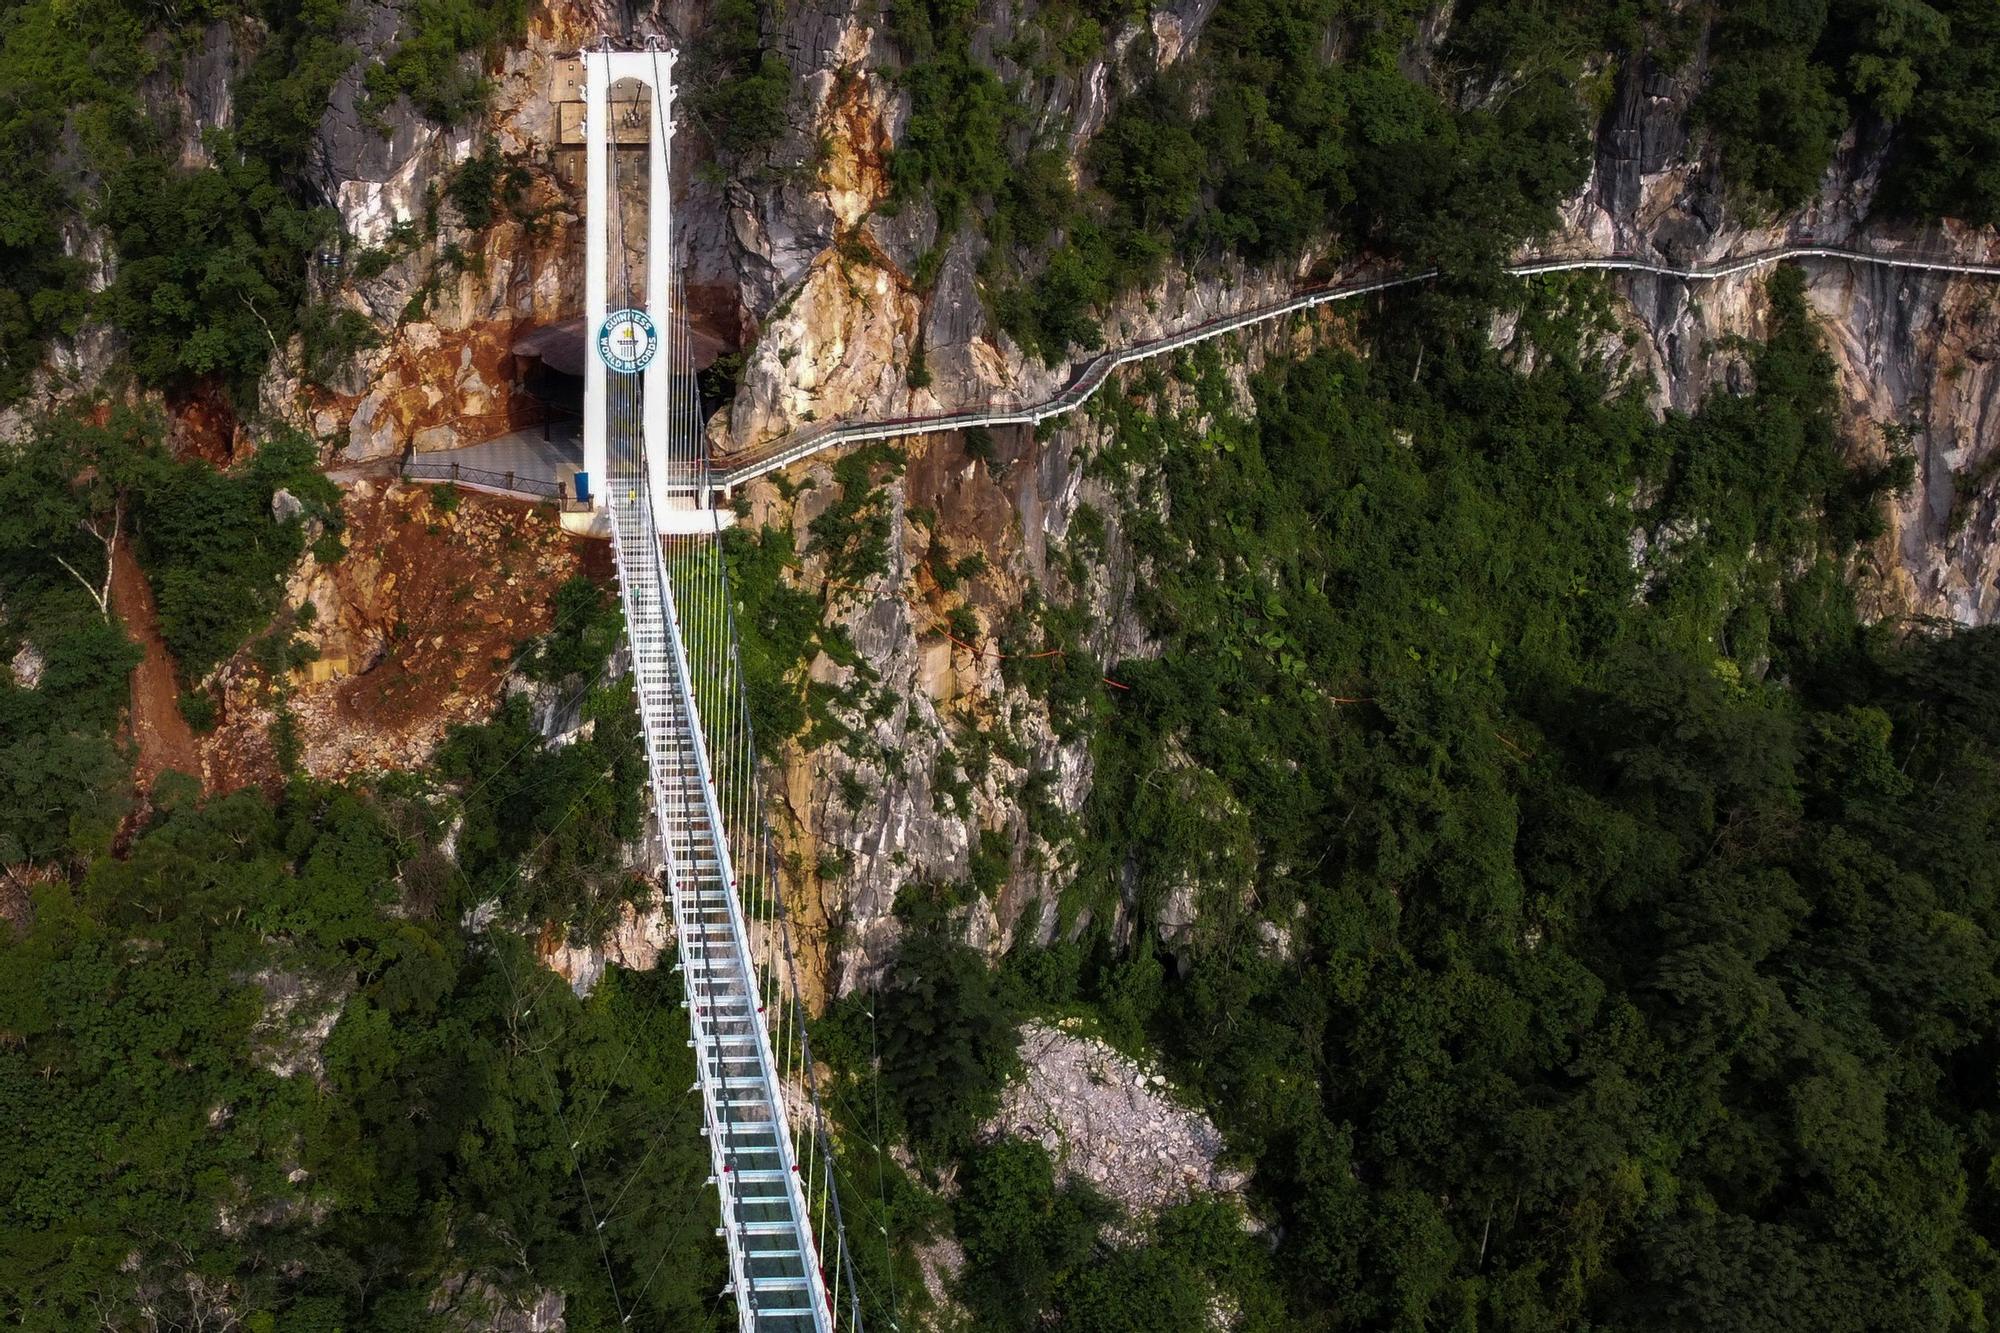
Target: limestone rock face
636, 941
26, 666
1914, 351
299, 1014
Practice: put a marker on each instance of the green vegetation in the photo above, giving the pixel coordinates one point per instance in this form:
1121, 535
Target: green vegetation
1288, 147
1254, 144
851, 535
428, 66
1789, 79
779, 631
947, 1041
740, 85
1578, 943
216, 557
211, 266
212, 262
543, 826
71, 492
163, 1164
586, 630
448, 1142
484, 184
1036, 1257
1950, 137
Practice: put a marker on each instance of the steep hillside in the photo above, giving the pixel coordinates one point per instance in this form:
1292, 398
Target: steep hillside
1473, 807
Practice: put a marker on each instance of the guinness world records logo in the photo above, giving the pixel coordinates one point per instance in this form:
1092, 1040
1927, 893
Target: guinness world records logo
627, 341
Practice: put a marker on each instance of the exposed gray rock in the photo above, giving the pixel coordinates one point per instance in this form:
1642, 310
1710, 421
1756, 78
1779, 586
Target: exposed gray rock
1107, 1121
299, 1014
474, 1303
373, 169
27, 666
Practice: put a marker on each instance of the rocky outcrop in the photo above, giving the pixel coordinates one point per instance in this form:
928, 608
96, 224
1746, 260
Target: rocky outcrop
1914, 350
447, 300
298, 1015
413, 631
928, 715
474, 1303
1109, 1122
635, 941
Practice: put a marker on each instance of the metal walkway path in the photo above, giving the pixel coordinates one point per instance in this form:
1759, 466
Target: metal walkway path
732, 471
766, 1220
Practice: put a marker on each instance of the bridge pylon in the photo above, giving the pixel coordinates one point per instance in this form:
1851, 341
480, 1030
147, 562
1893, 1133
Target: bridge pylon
645, 469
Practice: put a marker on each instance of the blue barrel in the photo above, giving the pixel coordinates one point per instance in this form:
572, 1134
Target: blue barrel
582, 487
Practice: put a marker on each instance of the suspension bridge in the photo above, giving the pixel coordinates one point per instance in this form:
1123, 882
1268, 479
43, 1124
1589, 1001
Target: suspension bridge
647, 472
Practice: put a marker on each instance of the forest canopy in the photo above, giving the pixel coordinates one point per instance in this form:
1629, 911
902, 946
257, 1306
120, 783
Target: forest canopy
1637, 906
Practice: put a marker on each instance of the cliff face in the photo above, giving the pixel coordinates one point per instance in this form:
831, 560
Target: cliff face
800, 261
1914, 350
795, 262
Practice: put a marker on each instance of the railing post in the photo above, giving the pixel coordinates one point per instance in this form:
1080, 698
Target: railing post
510, 479
454, 470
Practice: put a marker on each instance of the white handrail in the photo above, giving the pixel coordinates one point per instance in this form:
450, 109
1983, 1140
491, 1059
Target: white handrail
773, 1092
789, 449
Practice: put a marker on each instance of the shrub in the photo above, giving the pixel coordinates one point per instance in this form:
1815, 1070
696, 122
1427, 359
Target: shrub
199, 708
947, 1040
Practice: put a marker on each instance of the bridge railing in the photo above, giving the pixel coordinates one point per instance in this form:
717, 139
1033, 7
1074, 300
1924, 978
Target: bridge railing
506, 483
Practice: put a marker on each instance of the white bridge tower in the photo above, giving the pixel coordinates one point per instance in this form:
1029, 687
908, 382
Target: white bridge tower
646, 470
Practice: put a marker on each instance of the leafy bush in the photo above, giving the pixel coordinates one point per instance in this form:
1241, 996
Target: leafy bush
428, 64
742, 86
199, 708
483, 184
947, 1041
1036, 1255
214, 554
852, 534
542, 824
586, 629
211, 266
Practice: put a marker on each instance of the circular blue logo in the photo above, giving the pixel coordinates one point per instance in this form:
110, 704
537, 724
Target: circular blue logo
627, 341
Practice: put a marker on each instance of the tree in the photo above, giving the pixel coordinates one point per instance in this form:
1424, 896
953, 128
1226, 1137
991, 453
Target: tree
947, 1040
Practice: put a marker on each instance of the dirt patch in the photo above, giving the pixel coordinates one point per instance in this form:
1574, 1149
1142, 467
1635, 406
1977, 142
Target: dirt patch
855, 168
203, 424
164, 739
415, 628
